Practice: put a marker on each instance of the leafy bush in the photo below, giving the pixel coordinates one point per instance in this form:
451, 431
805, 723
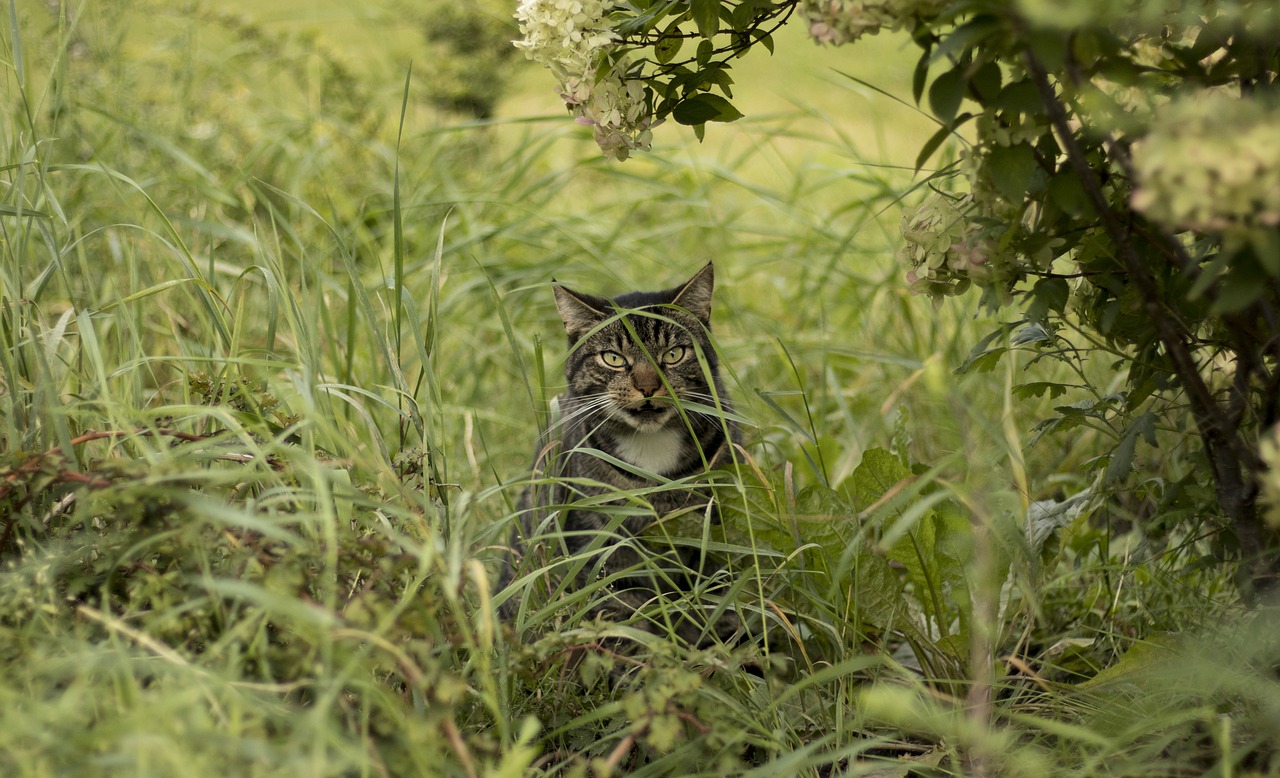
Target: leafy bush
1119, 183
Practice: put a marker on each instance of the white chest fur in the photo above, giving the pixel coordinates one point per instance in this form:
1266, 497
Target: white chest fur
659, 451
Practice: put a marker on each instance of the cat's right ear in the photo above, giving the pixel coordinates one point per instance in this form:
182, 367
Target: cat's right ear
579, 312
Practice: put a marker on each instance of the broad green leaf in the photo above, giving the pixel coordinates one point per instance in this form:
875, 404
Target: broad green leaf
1266, 247
945, 94
702, 108
985, 82
706, 14
1142, 657
1012, 169
1020, 97
705, 50
668, 46
821, 500
1066, 191
879, 471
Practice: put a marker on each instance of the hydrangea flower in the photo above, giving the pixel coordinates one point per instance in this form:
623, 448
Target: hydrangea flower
574, 39
945, 249
1211, 163
844, 21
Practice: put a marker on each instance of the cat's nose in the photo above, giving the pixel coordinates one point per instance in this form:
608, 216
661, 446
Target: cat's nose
646, 381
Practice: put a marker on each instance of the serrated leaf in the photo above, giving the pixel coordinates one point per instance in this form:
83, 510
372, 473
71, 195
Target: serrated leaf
821, 500
1038, 389
879, 470
983, 352
1048, 294
1122, 457
1031, 332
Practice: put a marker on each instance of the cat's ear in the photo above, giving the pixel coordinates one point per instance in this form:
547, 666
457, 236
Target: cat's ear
695, 295
579, 312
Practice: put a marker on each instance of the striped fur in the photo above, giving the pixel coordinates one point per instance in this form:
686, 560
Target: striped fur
639, 412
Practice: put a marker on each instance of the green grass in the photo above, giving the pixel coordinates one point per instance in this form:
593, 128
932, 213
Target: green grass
275, 357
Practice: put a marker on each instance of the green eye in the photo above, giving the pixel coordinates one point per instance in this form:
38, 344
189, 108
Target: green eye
674, 355
613, 359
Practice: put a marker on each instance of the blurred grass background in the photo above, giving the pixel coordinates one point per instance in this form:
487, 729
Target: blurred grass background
278, 338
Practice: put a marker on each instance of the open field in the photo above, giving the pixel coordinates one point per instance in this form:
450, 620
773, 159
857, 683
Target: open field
279, 337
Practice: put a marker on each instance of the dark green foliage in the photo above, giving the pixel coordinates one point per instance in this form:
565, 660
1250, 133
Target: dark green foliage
1121, 186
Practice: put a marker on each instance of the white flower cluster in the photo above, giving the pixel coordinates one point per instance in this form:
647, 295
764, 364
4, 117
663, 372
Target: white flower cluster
573, 38
944, 248
844, 21
1211, 163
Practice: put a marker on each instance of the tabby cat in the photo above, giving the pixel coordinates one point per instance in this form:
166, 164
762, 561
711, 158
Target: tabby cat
641, 409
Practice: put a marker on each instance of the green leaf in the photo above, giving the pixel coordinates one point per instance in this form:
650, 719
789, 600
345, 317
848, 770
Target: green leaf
945, 94
703, 108
921, 75
879, 470
1049, 294
1049, 46
935, 140
966, 36
1020, 97
983, 357
1242, 287
985, 82
1143, 658
1266, 248
764, 38
1012, 168
10, 210
705, 50
668, 46
1122, 457
706, 14
1038, 388
1068, 194
820, 500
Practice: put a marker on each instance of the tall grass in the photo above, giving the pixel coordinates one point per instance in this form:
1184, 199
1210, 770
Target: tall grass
276, 353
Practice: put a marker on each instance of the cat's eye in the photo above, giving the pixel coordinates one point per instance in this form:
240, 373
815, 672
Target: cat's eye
674, 355
613, 359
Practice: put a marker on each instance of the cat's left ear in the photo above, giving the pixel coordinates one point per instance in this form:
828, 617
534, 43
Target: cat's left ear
695, 295
578, 311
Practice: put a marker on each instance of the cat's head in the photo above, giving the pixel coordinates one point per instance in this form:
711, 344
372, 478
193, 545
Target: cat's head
627, 367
